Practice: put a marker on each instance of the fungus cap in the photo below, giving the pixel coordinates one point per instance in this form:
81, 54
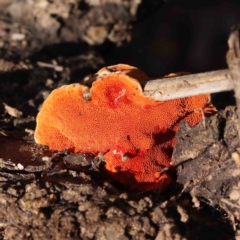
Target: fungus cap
135, 133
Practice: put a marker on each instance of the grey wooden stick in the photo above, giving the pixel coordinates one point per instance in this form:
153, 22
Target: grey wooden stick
233, 61
188, 85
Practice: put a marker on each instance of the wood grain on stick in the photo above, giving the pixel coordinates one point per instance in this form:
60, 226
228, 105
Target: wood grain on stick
233, 61
189, 85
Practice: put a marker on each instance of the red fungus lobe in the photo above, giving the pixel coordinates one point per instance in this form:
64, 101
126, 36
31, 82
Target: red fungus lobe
135, 133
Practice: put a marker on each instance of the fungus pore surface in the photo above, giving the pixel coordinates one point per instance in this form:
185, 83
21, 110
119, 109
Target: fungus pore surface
135, 133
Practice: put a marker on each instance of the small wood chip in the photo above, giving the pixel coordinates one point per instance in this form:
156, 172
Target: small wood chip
12, 111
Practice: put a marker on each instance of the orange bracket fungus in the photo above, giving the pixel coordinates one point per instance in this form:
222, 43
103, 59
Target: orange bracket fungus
135, 133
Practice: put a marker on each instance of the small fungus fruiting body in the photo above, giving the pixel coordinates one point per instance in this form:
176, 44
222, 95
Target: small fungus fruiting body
135, 133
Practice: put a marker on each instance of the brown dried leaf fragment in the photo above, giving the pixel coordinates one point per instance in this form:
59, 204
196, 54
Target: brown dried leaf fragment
12, 111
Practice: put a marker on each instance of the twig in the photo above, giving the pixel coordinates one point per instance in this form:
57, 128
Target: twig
49, 65
233, 61
189, 85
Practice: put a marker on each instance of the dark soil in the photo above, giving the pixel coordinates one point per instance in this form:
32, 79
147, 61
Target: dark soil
61, 195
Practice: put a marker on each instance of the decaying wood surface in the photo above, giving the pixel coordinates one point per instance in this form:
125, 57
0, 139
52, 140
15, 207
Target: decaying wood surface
62, 195
189, 85
205, 168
